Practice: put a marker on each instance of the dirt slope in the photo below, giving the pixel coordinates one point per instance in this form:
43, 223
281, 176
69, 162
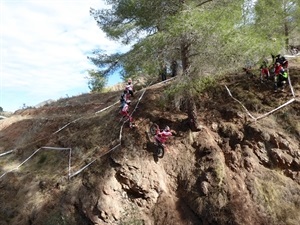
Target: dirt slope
233, 171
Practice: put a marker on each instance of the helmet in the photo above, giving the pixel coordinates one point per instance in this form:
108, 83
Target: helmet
128, 102
167, 128
129, 80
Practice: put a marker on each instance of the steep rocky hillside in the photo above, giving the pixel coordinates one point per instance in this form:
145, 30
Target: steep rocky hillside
73, 161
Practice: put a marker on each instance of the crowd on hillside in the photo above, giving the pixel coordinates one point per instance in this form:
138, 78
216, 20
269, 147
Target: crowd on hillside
275, 71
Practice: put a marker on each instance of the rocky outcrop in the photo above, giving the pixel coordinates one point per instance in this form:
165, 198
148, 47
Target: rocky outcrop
231, 171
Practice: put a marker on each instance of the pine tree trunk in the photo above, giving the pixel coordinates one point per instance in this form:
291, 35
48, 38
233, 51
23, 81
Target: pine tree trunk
190, 103
286, 33
192, 115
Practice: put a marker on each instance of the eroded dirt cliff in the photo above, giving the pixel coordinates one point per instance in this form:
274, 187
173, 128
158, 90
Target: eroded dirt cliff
233, 171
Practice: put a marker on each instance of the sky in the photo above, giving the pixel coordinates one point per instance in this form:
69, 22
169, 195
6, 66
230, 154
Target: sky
44, 46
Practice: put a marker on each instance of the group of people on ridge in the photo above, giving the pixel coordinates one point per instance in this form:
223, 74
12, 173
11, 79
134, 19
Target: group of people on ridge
277, 70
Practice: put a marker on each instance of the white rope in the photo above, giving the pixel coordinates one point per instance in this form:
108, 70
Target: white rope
120, 137
55, 148
79, 171
67, 125
70, 155
8, 152
240, 103
8, 172
21, 163
63, 127
283, 105
60, 129
36, 151
70, 150
107, 107
272, 111
28, 158
142, 95
290, 84
162, 82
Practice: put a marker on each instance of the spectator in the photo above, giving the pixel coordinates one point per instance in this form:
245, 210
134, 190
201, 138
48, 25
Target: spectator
174, 68
163, 71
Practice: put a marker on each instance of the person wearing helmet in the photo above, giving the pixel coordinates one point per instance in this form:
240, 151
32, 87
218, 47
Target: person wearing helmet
123, 98
162, 136
264, 70
125, 112
129, 88
281, 76
282, 60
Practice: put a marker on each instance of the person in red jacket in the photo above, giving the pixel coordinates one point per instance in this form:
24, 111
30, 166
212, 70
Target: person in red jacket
264, 70
278, 68
162, 136
125, 112
282, 60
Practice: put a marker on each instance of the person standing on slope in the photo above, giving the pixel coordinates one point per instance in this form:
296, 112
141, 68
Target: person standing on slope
129, 88
125, 112
281, 76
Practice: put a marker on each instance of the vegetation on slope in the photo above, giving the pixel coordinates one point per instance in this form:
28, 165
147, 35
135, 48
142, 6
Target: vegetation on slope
232, 171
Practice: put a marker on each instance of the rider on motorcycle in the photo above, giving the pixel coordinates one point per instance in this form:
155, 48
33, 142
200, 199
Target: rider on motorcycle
161, 136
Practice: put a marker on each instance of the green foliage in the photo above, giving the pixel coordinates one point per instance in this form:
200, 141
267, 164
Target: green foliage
97, 80
279, 205
132, 221
204, 83
193, 86
131, 217
126, 19
42, 158
290, 120
56, 218
217, 36
277, 19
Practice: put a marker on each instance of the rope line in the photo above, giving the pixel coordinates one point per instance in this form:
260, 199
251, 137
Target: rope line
36, 151
279, 107
107, 107
290, 84
120, 138
8, 152
240, 103
270, 112
70, 175
60, 129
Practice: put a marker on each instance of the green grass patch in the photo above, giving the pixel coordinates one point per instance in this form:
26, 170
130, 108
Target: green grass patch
280, 204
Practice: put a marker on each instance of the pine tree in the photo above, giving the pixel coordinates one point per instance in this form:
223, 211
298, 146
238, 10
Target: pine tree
209, 37
278, 19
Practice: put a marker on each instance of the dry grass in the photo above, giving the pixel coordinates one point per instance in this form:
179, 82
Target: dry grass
281, 205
